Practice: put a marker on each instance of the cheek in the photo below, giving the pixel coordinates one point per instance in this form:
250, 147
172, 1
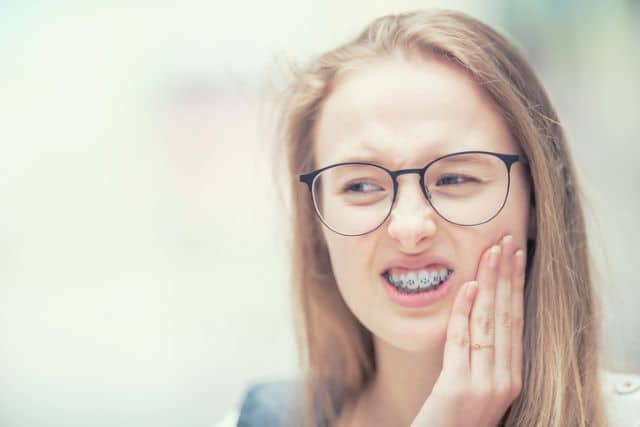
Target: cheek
472, 242
517, 210
513, 219
348, 268
352, 268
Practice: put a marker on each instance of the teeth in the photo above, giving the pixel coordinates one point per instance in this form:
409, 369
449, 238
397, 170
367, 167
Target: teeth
411, 281
435, 277
425, 280
420, 280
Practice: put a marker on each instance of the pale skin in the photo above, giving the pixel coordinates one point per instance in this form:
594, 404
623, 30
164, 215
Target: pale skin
428, 372
477, 385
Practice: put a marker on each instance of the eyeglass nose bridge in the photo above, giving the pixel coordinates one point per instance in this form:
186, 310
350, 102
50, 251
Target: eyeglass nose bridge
420, 173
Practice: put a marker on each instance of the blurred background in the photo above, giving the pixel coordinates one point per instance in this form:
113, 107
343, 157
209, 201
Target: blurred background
143, 253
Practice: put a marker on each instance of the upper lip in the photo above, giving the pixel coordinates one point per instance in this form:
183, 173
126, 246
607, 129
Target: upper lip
416, 262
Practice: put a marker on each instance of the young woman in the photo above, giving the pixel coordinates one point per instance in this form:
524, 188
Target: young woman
440, 264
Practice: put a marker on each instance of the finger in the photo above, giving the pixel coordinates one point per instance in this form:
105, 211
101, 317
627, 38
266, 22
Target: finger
456, 347
517, 318
483, 319
503, 314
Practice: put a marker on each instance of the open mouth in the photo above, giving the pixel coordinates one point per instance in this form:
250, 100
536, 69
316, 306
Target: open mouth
417, 281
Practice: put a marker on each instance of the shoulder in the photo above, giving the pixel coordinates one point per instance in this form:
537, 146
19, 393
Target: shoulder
622, 397
279, 403
272, 404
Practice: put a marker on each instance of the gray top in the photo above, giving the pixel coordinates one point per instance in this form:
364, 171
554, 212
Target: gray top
279, 404
275, 404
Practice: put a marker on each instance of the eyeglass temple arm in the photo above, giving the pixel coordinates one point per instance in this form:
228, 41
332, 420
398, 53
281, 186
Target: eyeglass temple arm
308, 178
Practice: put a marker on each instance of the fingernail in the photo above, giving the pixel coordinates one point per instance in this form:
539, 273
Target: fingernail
507, 239
471, 289
493, 257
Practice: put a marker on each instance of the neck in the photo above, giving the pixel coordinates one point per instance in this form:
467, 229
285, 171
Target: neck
402, 383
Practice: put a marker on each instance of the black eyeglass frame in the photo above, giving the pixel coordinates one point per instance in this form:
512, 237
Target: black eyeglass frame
508, 159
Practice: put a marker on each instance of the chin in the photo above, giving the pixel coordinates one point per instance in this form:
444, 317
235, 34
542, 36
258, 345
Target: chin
412, 340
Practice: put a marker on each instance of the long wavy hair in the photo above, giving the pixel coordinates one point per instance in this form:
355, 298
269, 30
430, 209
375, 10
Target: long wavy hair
561, 384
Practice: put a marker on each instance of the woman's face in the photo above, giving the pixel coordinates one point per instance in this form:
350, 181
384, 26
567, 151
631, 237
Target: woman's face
402, 114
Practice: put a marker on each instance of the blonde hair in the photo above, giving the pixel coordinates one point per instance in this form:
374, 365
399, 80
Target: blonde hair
561, 383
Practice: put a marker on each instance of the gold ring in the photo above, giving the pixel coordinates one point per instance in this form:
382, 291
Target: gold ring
481, 346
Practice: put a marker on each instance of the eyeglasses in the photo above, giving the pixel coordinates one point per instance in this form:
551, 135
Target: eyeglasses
466, 188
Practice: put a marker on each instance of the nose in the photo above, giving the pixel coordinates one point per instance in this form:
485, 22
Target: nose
412, 220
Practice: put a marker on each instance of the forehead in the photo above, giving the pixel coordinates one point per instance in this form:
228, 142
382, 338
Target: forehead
404, 112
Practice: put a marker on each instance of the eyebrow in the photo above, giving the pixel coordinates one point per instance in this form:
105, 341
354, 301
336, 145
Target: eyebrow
377, 158
475, 160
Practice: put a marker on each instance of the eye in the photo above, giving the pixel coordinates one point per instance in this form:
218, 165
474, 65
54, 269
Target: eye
362, 187
453, 180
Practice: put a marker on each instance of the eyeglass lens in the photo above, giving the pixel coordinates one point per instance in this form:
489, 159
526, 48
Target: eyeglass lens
465, 189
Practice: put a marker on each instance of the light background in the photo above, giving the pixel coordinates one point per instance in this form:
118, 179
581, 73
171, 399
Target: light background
143, 255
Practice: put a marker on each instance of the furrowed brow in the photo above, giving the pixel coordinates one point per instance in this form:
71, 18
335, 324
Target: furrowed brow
371, 154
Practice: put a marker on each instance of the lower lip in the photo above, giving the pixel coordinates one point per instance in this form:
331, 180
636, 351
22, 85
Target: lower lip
420, 299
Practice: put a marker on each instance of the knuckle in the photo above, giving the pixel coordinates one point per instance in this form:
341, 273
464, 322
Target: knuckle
459, 340
505, 319
516, 388
482, 391
517, 322
503, 388
485, 323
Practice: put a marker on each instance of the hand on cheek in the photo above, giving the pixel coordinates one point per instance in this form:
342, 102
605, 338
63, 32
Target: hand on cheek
482, 367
